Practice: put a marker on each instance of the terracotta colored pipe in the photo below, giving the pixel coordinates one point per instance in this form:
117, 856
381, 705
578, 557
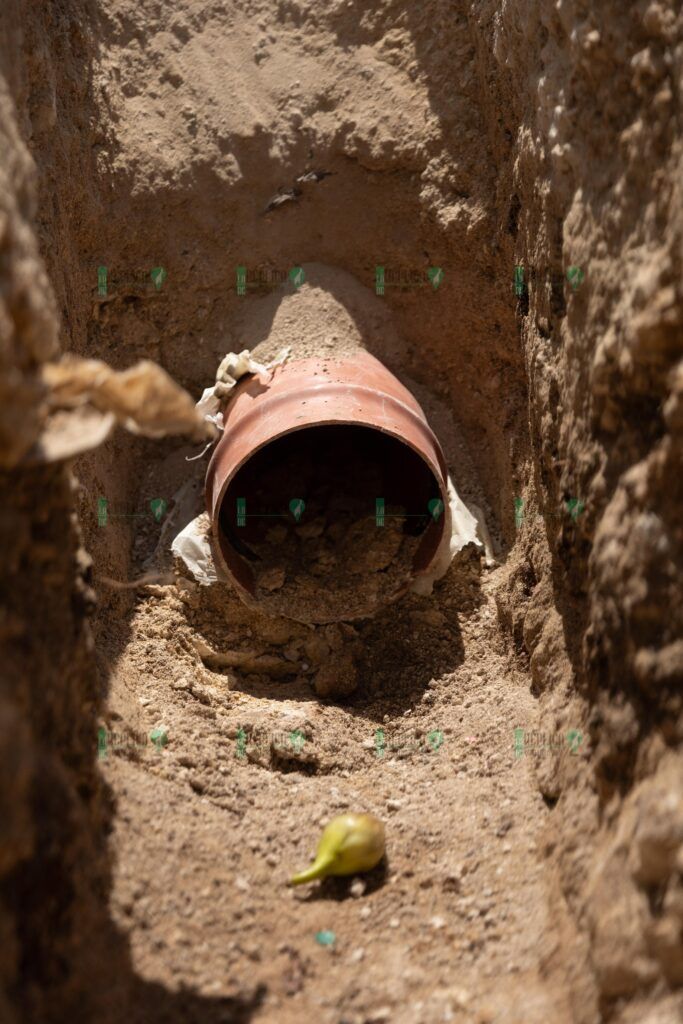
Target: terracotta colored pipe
356, 391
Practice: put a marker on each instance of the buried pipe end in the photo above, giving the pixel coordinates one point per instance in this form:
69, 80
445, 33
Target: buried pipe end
328, 491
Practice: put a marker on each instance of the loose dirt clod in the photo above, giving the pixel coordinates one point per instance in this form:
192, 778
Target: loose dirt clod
338, 566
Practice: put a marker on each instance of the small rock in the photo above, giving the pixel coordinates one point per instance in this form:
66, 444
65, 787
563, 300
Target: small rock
337, 678
437, 922
451, 882
460, 997
309, 531
357, 888
394, 922
272, 579
658, 836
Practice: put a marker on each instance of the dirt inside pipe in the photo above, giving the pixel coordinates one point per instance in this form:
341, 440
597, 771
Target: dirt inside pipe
329, 521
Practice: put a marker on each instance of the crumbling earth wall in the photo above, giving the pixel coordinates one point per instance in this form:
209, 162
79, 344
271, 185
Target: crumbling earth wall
54, 930
61, 958
591, 101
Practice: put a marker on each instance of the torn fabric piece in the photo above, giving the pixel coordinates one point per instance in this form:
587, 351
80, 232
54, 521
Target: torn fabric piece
232, 368
193, 546
144, 398
86, 398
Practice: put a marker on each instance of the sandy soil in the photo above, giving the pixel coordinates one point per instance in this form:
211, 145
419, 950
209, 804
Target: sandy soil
456, 927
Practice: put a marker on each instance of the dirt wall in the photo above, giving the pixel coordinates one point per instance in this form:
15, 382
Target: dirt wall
596, 183
53, 868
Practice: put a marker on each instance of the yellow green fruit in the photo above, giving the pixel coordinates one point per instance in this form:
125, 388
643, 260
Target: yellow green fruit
350, 843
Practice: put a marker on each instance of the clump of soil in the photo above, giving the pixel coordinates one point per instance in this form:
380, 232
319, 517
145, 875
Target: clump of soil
331, 526
362, 564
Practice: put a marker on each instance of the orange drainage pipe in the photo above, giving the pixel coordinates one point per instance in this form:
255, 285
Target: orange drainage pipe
357, 391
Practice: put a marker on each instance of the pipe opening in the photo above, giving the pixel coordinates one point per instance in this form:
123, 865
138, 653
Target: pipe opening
330, 522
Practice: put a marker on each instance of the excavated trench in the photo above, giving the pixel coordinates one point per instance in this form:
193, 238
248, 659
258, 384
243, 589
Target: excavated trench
175, 748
